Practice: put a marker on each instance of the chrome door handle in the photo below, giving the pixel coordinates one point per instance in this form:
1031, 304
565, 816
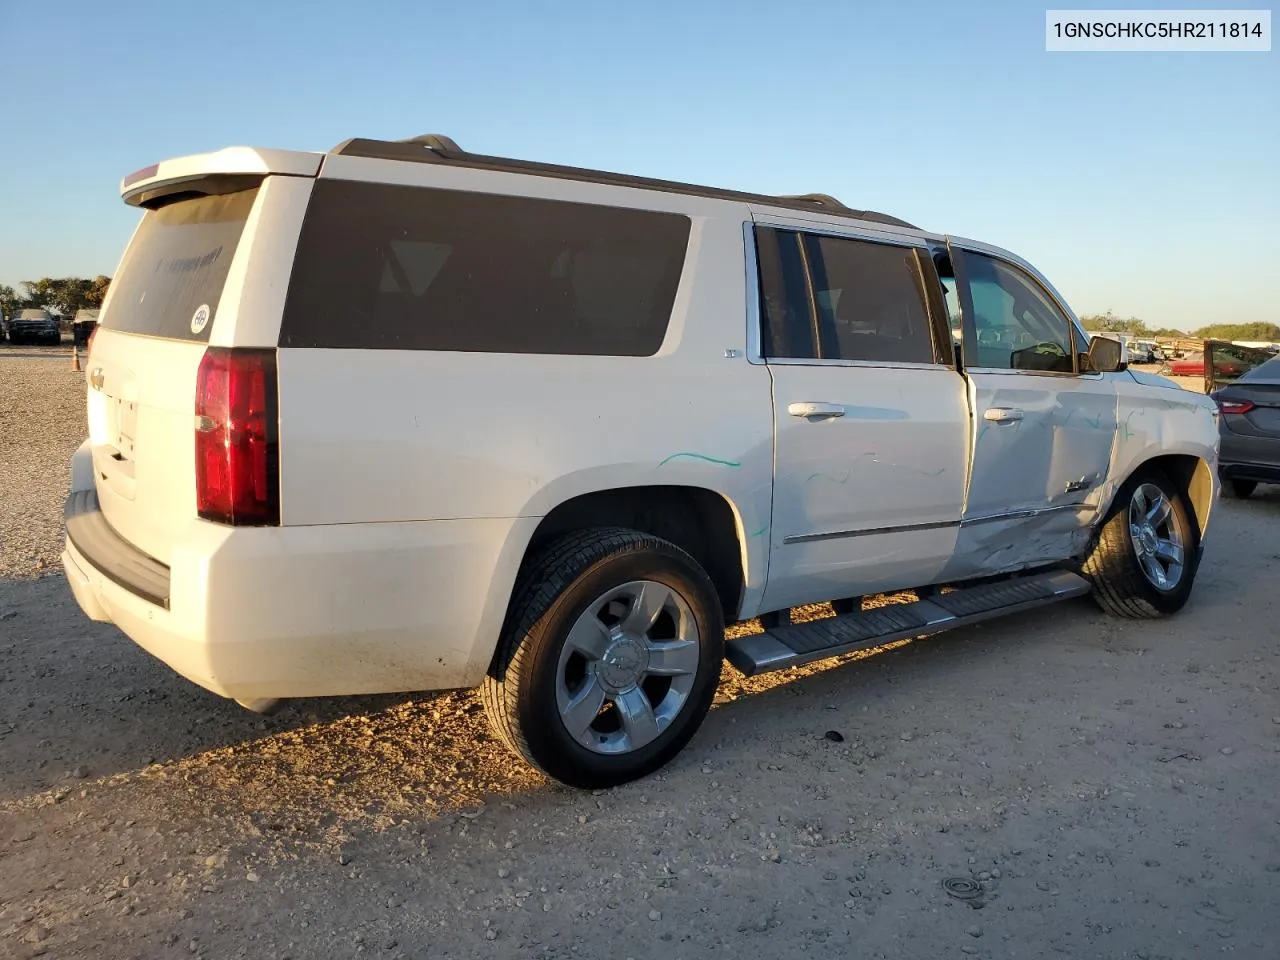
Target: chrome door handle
96, 378
1002, 414
815, 411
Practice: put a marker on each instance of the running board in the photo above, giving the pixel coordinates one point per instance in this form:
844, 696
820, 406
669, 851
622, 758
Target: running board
793, 645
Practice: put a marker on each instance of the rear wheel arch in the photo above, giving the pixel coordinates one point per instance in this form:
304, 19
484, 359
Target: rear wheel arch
574, 688
702, 522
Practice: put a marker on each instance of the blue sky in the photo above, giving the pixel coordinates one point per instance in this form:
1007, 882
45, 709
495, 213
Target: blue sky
1142, 183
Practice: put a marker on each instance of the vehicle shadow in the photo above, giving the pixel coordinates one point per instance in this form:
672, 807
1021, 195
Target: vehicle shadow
1266, 497
81, 705
81, 701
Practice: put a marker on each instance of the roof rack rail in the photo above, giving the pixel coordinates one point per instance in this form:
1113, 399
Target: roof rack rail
445, 146
817, 199
437, 148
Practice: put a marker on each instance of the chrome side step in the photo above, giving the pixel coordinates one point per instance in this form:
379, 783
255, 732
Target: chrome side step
795, 644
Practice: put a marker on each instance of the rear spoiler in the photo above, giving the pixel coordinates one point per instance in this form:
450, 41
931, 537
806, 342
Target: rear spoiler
203, 174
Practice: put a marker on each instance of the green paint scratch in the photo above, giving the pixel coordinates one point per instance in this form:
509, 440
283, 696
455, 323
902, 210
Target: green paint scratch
1128, 433
700, 456
759, 533
847, 474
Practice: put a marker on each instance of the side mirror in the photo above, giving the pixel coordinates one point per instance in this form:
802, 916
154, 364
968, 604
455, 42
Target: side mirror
1106, 355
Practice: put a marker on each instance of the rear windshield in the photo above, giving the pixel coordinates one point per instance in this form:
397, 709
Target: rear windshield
173, 273
410, 268
1269, 372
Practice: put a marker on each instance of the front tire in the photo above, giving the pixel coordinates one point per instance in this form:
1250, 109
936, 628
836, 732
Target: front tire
609, 658
1144, 562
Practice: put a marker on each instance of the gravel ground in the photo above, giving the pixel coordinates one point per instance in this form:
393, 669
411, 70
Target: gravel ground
42, 421
1106, 788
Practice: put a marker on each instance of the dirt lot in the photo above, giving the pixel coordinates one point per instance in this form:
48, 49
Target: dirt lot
1109, 787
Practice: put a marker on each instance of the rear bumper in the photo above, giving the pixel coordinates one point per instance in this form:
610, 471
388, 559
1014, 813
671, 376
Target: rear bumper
109, 554
33, 331
258, 613
1261, 472
1244, 457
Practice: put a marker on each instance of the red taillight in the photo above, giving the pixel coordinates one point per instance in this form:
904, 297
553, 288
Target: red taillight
1236, 406
237, 460
88, 344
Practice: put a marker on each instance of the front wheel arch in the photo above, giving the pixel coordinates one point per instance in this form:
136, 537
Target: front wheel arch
1114, 563
1193, 477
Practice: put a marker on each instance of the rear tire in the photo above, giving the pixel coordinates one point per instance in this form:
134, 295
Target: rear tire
572, 689
1239, 489
1142, 542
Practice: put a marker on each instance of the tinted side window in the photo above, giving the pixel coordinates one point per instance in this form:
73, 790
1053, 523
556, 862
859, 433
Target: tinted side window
835, 299
177, 265
789, 328
410, 268
1015, 326
870, 301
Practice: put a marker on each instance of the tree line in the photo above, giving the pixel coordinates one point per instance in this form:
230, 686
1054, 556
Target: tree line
1109, 323
68, 294
63, 295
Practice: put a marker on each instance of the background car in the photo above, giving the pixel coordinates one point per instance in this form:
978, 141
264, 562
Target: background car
1250, 429
1189, 365
1145, 351
34, 325
1192, 365
82, 327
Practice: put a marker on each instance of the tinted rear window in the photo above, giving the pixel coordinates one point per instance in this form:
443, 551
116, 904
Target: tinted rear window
410, 268
835, 298
177, 265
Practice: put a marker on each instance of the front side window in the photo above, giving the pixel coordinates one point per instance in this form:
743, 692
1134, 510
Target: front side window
831, 298
1013, 324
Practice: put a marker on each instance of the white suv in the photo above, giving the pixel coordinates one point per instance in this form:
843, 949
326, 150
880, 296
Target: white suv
400, 417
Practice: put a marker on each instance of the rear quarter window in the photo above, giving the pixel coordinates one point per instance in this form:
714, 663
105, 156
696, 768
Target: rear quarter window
411, 268
176, 267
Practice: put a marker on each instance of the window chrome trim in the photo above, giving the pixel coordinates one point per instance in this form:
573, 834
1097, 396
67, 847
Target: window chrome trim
939, 525
849, 232
870, 364
1011, 371
755, 319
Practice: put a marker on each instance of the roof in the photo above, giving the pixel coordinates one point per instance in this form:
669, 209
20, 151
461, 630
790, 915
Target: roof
436, 148
236, 168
